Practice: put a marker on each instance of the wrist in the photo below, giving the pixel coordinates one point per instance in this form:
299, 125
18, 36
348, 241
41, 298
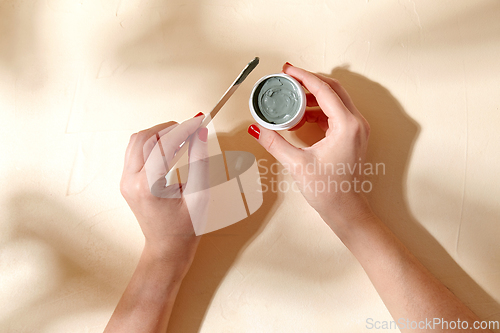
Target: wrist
349, 215
174, 258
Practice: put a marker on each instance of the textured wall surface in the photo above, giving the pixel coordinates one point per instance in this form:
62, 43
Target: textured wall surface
78, 77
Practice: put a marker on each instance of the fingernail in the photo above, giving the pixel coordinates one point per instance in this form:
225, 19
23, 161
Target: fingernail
289, 64
203, 134
199, 114
254, 131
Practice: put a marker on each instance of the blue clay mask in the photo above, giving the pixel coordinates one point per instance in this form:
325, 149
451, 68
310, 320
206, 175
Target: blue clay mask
276, 100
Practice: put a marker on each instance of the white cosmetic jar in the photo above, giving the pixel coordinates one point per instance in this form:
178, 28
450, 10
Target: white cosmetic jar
277, 102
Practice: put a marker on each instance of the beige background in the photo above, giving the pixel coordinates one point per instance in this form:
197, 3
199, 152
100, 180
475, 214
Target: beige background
78, 77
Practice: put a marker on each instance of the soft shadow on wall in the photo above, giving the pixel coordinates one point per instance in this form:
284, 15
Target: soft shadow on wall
54, 256
75, 267
393, 134
466, 40
18, 47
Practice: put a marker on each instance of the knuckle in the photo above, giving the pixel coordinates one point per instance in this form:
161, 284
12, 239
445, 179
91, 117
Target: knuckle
270, 143
124, 189
134, 189
324, 86
355, 124
354, 127
141, 136
335, 82
367, 128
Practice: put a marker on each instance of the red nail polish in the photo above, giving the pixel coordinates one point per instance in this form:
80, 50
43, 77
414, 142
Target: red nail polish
254, 131
199, 114
289, 64
203, 134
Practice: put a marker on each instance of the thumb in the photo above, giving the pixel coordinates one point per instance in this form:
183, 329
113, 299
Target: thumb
274, 143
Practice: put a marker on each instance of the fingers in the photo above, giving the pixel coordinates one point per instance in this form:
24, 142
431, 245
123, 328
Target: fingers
311, 100
174, 138
158, 163
274, 143
327, 98
341, 92
153, 140
313, 115
198, 176
323, 124
134, 157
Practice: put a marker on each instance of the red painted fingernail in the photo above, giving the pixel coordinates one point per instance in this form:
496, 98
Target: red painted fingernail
289, 64
203, 134
199, 114
254, 131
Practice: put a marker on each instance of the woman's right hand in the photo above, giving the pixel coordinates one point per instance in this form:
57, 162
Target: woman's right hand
165, 213
408, 289
317, 170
